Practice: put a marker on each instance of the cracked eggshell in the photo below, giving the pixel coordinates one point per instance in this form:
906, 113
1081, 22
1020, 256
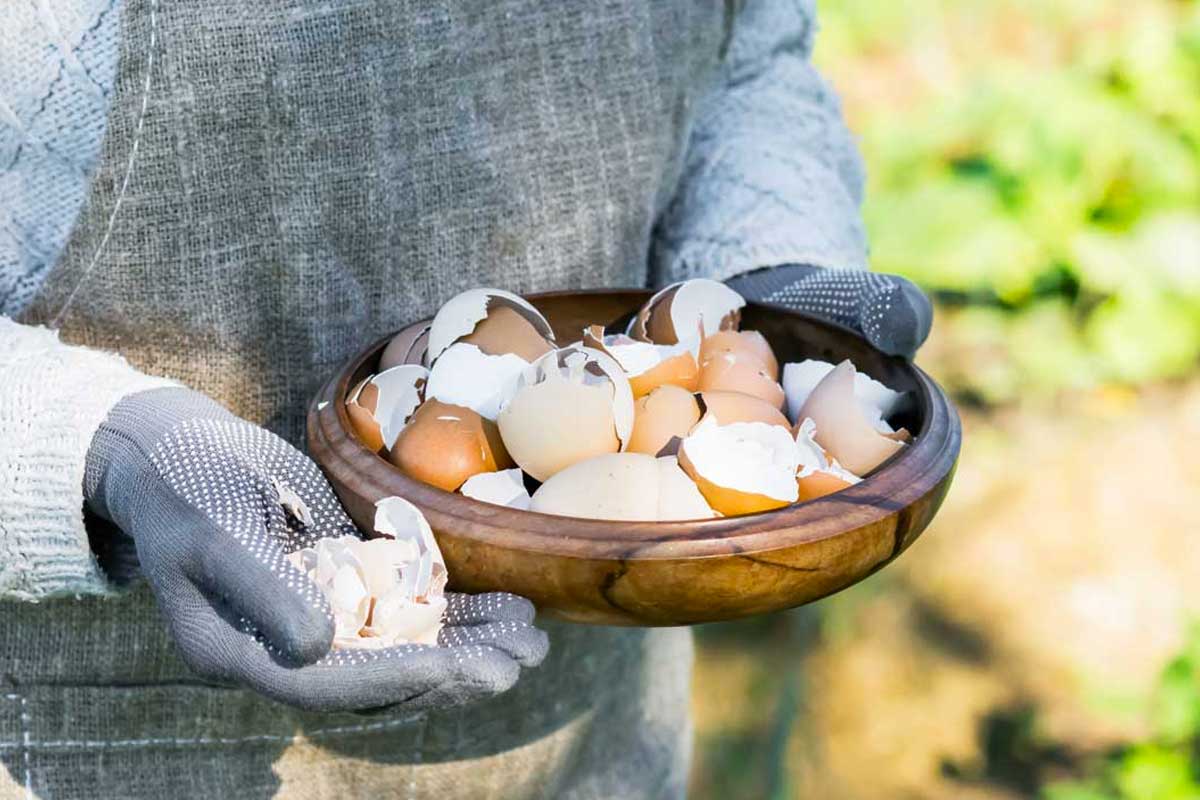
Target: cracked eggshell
444, 445
614, 486
647, 365
503, 488
800, 378
729, 407
844, 428
726, 372
380, 405
462, 317
678, 496
744, 346
684, 311
661, 419
818, 476
572, 404
741, 468
467, 376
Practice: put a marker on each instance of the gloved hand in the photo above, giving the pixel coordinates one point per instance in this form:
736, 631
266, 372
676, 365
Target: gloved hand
890, 311
198, 490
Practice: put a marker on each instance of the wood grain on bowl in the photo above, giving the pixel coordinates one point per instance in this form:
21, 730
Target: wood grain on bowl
667, 573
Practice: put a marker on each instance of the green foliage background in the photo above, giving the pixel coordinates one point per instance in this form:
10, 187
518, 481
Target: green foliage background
1036, 166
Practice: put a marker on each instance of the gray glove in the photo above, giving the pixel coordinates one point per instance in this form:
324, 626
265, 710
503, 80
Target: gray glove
197, 490
890, 311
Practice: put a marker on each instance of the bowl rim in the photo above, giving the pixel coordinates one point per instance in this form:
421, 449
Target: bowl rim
891, 488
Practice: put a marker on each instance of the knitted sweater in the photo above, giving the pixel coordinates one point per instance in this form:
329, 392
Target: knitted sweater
767, 175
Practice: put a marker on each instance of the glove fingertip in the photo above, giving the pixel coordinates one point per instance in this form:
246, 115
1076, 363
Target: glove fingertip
898, 319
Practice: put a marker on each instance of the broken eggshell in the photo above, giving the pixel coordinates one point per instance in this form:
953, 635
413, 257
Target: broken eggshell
380, 405
730, 407
570, 405
742, 468
817, 475
444, 445
503, 488
661, 419
685, 311
471, 317
466, 376
406, 347
744, 346
729, 372
386, 591
880, 402
844, 427
648, 365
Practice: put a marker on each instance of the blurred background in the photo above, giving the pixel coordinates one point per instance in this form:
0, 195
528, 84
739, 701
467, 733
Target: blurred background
1035, 166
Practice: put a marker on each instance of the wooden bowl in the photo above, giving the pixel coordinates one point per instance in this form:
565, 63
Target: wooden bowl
667, 573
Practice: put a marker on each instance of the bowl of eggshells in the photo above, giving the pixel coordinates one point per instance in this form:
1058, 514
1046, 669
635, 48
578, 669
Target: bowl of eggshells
623, 457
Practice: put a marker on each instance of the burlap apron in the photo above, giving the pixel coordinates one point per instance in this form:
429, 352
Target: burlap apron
281, 183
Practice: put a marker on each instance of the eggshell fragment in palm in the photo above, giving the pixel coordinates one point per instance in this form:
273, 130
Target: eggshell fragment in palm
459, 317
678, 496
800, 378
662, 417
572, 404
729, 373
684, 311
741, 468
380, 405
843, 427
730, 407
503, 488
383, 592
743, 345
444, 445
466, 376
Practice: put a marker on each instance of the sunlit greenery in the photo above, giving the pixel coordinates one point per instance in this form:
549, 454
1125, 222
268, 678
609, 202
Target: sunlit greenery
1039, 165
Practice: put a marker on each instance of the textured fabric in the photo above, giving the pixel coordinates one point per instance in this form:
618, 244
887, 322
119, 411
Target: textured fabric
58, 60
281, 182
52, 400
201, 494
772, 175
890, 311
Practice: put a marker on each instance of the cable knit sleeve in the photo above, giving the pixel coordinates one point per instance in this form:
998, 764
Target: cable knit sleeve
771, 175
53, 397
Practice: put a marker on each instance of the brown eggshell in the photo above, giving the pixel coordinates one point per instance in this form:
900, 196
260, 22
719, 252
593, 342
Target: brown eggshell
443, 445
743, 345
730, 407
841, 426
679, 370
727, 373
506, 330
362, 414
661, 416
725, 500
819, 484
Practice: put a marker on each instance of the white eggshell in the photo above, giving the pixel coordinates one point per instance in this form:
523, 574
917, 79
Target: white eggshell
846, 429
400, 392
503, 488
878, 401
466, 376
749, 457
678, 496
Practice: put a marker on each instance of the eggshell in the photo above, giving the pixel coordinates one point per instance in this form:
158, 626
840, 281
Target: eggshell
380, 405
616, 486
726, 373
678, 496
444, 444
507, 330
459, 316
406, 347
648, 365
818, 475
743, 345
683, 311
503, 488
729, 407
665, 415
880, 402
572, 404
843, 428
741, 468
466, 376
